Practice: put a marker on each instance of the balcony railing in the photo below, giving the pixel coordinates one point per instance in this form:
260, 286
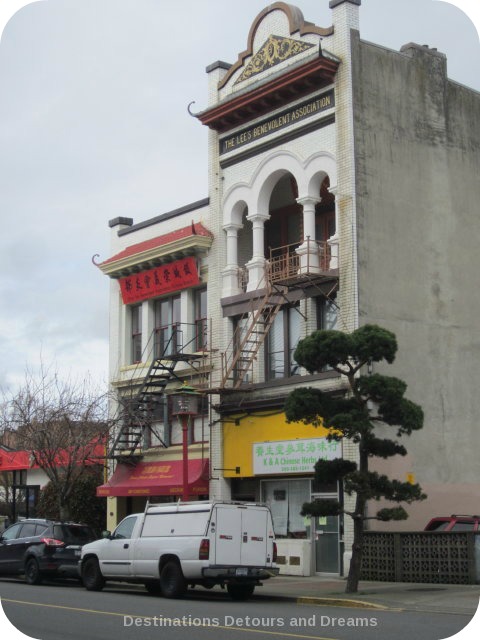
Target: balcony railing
286, 263
179, 337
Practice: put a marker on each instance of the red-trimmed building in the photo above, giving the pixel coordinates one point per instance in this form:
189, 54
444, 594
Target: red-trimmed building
343, 190
26, 478
159, 339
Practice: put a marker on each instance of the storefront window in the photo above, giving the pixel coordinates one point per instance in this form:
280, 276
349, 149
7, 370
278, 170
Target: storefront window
285, 499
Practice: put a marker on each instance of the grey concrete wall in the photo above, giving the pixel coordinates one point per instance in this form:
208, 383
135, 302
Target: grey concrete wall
417, 148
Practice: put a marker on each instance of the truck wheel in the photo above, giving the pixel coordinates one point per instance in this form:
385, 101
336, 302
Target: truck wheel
32, 572
172, 582
240, 591
153, 587
92, 576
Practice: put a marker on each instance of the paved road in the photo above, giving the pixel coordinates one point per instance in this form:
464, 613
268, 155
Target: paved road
68, 612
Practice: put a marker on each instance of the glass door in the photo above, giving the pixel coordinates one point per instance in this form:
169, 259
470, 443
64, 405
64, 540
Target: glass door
327, 544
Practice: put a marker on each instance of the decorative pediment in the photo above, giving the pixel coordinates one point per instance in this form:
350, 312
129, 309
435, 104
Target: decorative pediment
296, 26
275, 50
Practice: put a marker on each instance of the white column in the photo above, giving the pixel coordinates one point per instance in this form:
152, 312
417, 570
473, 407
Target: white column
333, 240
230, 275
256, 266
308, 251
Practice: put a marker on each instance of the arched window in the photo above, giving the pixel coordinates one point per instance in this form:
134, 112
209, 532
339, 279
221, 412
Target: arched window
325, 213
285, 226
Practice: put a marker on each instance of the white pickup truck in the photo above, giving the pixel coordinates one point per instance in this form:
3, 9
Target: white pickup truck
174, 545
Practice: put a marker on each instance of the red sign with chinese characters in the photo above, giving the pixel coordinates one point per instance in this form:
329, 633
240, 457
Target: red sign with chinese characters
169, 277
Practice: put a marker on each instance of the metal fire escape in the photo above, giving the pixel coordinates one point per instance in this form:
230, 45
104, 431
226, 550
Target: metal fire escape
250, 334
138, 412
284, 273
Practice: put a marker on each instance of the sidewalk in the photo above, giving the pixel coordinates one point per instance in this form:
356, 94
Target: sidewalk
446, 598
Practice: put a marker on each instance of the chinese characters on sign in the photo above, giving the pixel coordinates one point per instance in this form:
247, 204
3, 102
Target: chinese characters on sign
293, 456
169, 277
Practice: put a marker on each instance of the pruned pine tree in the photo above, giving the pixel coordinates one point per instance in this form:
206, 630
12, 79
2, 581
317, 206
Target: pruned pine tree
370, 401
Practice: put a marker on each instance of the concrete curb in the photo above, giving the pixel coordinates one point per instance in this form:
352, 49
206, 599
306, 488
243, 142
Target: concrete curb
331, 601
342, 602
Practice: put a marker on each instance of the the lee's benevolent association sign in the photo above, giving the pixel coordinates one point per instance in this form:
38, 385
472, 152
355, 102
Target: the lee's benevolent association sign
288, 117
167, 278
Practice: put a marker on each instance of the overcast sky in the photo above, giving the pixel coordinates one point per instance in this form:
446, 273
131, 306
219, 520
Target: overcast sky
94, 125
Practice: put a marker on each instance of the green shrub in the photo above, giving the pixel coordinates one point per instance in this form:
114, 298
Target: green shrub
83, 504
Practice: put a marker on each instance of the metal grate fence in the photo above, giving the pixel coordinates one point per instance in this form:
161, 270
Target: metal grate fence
424, 557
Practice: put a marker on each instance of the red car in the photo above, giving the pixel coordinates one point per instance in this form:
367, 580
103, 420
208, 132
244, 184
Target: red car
454, 523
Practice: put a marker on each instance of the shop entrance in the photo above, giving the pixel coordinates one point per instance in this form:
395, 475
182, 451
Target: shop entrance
327, 532
327, 552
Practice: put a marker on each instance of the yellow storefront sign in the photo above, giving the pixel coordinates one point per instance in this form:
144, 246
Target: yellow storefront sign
238, 439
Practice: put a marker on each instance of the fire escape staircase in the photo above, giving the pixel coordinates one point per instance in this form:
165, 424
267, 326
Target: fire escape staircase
248, 337
139, 411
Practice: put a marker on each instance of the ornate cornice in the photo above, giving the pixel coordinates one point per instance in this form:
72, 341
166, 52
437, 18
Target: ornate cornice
295, 82
275, 50
296, 23
191, 245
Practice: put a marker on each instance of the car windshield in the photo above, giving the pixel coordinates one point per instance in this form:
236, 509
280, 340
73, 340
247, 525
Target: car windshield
73, 533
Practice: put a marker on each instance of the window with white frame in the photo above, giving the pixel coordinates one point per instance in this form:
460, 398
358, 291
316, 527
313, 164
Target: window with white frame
167, 326
327, 313
201, 332
281, 343
156, 435
285, 333
136, 333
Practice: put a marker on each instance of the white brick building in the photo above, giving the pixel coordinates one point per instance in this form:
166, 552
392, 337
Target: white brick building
296, 234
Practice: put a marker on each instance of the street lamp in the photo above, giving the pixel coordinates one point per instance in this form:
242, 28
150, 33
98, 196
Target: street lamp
185, 405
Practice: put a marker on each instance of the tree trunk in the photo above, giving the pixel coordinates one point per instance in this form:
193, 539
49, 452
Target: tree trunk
64, 513
357, 547
358, 526
63, 508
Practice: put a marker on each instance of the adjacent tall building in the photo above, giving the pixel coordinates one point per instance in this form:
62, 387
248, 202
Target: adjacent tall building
343, 190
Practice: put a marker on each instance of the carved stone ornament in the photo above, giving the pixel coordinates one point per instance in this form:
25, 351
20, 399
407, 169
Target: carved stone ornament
275, 50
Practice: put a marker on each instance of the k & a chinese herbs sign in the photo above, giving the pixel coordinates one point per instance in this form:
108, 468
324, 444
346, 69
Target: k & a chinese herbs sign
292, 456
169, 277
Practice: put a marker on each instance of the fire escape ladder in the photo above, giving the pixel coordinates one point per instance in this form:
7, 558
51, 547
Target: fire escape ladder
139, 412
246, 341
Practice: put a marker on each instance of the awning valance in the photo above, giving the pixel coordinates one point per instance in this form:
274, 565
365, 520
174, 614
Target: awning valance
14, 460
159, 478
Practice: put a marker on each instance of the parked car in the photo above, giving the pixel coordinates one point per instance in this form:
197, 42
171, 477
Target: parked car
43, 548
454, 523
171, 546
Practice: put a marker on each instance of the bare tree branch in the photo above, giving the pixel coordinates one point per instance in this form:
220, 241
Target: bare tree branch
62, 422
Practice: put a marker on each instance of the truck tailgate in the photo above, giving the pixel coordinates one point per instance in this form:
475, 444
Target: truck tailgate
241, 535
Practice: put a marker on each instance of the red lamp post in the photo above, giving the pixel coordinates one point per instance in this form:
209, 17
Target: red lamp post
185, 405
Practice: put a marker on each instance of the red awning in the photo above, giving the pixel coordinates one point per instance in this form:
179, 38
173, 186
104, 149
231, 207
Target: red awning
161, 478
14, 460
17, 460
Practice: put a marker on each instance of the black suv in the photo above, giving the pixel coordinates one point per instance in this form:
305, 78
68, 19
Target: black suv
43, 548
